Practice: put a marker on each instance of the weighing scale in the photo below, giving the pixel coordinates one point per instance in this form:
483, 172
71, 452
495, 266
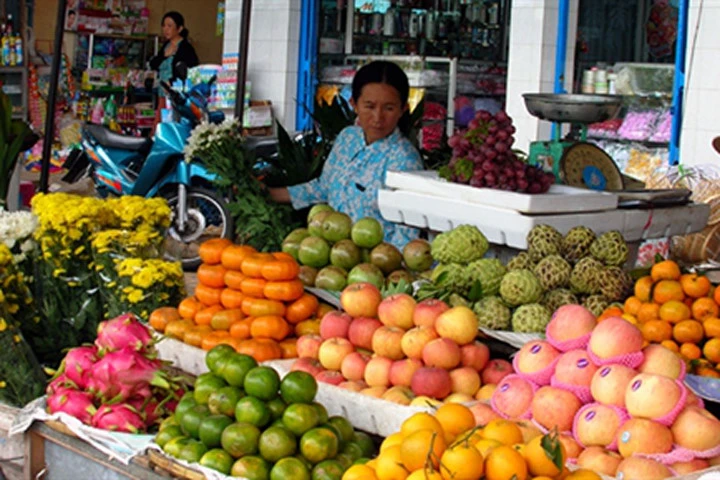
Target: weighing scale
574, 161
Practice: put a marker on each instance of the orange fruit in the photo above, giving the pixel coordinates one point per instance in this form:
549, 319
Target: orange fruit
632, 305
688, 331
485, 446
716, 295
711, 350
505, 463
711, 326
461, 462
539, 462
656, 330
455, 419
704, 307
643, 288
359, 472
389, 465
610, 312
583, 474
504, 431
665, 270
391, 440
420, 447
666, 290
670, 345
423, 474
647, 312
674, 311
421, 421
690, 351
695, 285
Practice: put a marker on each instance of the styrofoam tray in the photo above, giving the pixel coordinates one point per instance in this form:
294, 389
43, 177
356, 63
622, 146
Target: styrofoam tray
517, 340
560, 198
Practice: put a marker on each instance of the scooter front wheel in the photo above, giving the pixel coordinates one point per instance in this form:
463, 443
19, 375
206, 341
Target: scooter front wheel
207, 217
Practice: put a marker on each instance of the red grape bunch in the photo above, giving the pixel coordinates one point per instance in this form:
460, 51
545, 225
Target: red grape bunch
482, 157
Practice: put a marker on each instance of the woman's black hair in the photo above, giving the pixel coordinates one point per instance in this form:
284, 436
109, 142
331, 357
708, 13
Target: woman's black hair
179, 22
389, 73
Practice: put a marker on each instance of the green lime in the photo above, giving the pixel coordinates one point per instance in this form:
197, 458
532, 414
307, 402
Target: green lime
262, 382
211, 429
289, 468
167, 434
276, 443
224, 400
366, 443
353, 450
330, 427
206, 384
319, 444
344, 427
322, 412
170, 421
298, 387
305, 461
217, 459
278, 423
277, 407
251, 467
328, 470
191, 420
344, 459
240, 439
174, 446
185, 404
215, 355
193, 451
236, 368
252, 410
300, 417
361, 461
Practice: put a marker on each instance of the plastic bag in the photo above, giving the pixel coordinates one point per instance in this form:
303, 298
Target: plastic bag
638, 125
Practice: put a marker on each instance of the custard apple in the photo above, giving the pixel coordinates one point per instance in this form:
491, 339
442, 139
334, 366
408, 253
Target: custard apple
531, 318
576, 243
463, 244
596, 304
489, 272
521, 261
453, 277
610, 248
553, 272
585, 276
555, 299
543, 240
519, 287
615, 284
492, 313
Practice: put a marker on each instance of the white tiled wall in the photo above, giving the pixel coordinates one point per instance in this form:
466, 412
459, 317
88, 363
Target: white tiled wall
273, 56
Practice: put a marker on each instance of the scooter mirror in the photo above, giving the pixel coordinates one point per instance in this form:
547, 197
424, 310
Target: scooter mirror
180, 70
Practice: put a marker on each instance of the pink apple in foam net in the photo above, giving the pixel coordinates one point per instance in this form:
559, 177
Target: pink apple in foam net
431, 382
465, 380
651, 396
353, 386
387, 342
415, 339
353, 366
401, 371
686, 468
333, 351
609, 383
535, 356
513, 396
642, 468
661, 361
640, 435
377, 372
459, 324
570, 322
495, 370
555, 408
599, 460
335, 324
309, 346
397, 311
307, 364
427, 311
615, 336
696, 429
575, 368
361, 330
474, 355
483, 413
597, 425
441, 352
333, 377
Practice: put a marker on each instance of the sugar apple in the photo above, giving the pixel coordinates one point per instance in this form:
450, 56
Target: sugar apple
576, 243
521, 261
463, 244
453, 277
543, 240
615, 284
596, 304
555, 299
585, 276
489, 272
519, 287
531, 318
553, 272
492, 313
610, 248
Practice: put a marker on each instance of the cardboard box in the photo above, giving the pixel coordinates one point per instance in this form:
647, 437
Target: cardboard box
258, 118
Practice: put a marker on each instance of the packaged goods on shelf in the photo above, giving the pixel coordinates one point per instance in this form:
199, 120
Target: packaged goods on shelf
606, 129
644, 79
663, 128
638, 125
643, 161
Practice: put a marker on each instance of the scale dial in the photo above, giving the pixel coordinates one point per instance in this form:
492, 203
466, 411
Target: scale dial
588, 166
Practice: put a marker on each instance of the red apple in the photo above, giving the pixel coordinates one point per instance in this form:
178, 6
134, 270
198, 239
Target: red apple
361, 331
495, 370
377, 372
415, 339
333, 377
361, 299
335, 324
465, 380
397, 311
386, 342
353, 366
401, 371
399, 394
333, 351
441, 352
309, 346
427, 311
307, 364
459, 324
432, 382
353, 386
475, 355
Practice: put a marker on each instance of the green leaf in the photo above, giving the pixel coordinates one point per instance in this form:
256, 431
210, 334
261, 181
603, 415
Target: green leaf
476, 291
551, 445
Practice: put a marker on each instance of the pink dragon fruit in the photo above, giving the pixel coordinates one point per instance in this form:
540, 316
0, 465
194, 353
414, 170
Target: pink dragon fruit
59, 383
123, 374
148, 407
78, 363
123, 331
119, 418
73, 402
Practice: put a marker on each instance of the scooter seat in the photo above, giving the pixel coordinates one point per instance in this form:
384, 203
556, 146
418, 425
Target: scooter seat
110, 139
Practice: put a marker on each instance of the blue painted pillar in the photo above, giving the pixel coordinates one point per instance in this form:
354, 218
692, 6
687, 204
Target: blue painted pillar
679, 82
560, 55
307, 64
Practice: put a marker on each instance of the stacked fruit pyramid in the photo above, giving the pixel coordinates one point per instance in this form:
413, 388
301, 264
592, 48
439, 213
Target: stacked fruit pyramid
242, 420
252, 301
335, 252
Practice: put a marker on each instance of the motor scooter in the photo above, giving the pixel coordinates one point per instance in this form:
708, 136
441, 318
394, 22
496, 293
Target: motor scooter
156, 167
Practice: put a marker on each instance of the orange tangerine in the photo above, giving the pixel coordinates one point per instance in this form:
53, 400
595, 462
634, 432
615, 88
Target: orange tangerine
455, 419
704, 307
504, 431
690, 351
538, 460
391, 440
359, 472
421, 421
665, 270
695, 285
643, 288
688, 331
423, 474
632, 305
657, 330
670, 345
716, 295
419, 447
666, 290
674, 311
711, 350
612, 311
461, 462
504, 463
711, 326
389, 465
647, 312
